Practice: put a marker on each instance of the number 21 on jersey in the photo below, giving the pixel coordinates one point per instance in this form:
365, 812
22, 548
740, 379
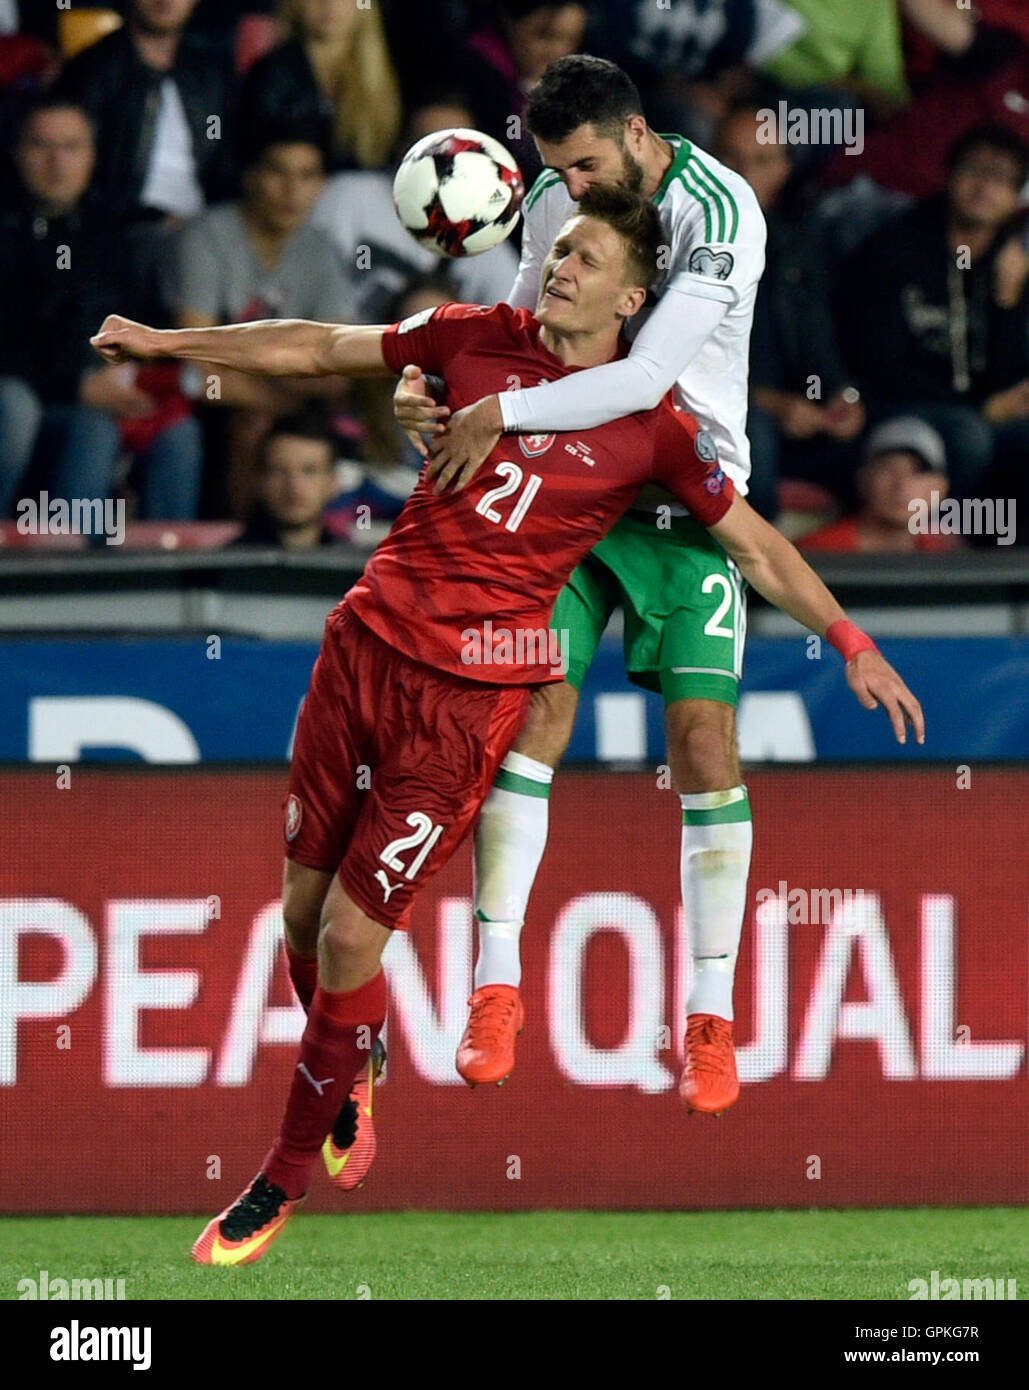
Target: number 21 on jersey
515, 477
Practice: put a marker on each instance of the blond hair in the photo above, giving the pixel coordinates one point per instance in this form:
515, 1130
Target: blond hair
363, 85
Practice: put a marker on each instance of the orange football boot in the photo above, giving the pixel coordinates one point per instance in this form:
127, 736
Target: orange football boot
487, 1051
245, 1230
709, 1082
348, 1152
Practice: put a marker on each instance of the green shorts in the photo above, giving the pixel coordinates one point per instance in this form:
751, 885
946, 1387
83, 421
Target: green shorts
683, 603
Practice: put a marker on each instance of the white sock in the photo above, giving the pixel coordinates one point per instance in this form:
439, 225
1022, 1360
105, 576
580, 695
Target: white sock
509, 845
500, 959
717, 838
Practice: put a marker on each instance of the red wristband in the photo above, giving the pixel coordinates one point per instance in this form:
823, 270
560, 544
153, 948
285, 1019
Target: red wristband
848, 639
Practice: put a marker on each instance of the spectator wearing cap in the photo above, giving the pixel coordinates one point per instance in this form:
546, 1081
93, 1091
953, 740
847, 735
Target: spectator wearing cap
259, 258
905, 462
62, 410
935, 312
296, 480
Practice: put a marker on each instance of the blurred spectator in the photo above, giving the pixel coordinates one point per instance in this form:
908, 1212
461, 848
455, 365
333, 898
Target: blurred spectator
852, 46
219, 22
379, 259
805, 413
977, 73
936, 312
693, 60
334, 70
507, 58
905, 462
26, 61
255, 259
61, 264
159, 105
296, 479
373, 490
392, 461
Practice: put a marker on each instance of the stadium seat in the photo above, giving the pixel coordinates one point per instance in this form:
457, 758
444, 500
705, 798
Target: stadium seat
78, 29
256, 34
13, 539
180, 535
139, 535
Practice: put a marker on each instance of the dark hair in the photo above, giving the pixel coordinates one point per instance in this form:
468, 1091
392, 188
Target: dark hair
309, 422
581, 90
254, 147
995, 137
48, 101
636, 220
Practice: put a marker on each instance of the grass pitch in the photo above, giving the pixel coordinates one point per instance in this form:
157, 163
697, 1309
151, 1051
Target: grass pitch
538, 1255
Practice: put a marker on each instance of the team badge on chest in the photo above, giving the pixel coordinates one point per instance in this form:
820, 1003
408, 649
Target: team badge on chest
532, 445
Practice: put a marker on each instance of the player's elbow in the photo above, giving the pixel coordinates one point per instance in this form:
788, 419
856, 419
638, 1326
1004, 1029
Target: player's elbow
655, 394
654, 383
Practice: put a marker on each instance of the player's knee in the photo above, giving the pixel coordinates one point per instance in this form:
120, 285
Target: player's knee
302, 921
703, 751
347, 940
548, 726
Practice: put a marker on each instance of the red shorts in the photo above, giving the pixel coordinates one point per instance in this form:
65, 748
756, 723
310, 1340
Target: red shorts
391, 764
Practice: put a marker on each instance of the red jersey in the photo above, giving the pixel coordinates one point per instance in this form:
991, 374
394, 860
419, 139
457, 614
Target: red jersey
466, 581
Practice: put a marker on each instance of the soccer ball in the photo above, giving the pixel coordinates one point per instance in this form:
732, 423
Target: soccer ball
458, 192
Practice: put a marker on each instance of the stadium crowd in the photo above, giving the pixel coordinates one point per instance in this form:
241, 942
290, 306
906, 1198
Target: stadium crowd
190, 162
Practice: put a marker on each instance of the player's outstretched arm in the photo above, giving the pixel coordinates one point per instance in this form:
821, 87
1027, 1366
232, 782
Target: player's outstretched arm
779, 572
267, 347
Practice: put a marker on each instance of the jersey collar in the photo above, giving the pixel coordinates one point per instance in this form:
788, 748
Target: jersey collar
677, 165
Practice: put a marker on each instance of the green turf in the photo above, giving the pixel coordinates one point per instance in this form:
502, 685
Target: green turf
549, 1255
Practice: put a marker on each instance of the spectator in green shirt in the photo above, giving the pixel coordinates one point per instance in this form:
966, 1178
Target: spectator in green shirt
853, 44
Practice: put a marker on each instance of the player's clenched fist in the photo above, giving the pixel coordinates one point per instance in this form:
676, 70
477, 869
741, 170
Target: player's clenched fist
875, 682
124, 340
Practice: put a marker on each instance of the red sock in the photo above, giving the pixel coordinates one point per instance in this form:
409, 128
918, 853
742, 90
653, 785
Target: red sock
341, 1029
303, 971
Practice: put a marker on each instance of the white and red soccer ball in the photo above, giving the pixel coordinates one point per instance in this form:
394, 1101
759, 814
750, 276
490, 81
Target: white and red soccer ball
458, 192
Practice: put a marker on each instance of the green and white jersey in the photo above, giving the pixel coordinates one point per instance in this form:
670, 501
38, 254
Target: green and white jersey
695, 336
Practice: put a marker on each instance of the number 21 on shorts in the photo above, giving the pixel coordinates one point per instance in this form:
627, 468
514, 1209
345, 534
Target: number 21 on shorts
727, 621
425, 834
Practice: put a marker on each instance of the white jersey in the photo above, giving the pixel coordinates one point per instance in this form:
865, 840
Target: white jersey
716, 240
